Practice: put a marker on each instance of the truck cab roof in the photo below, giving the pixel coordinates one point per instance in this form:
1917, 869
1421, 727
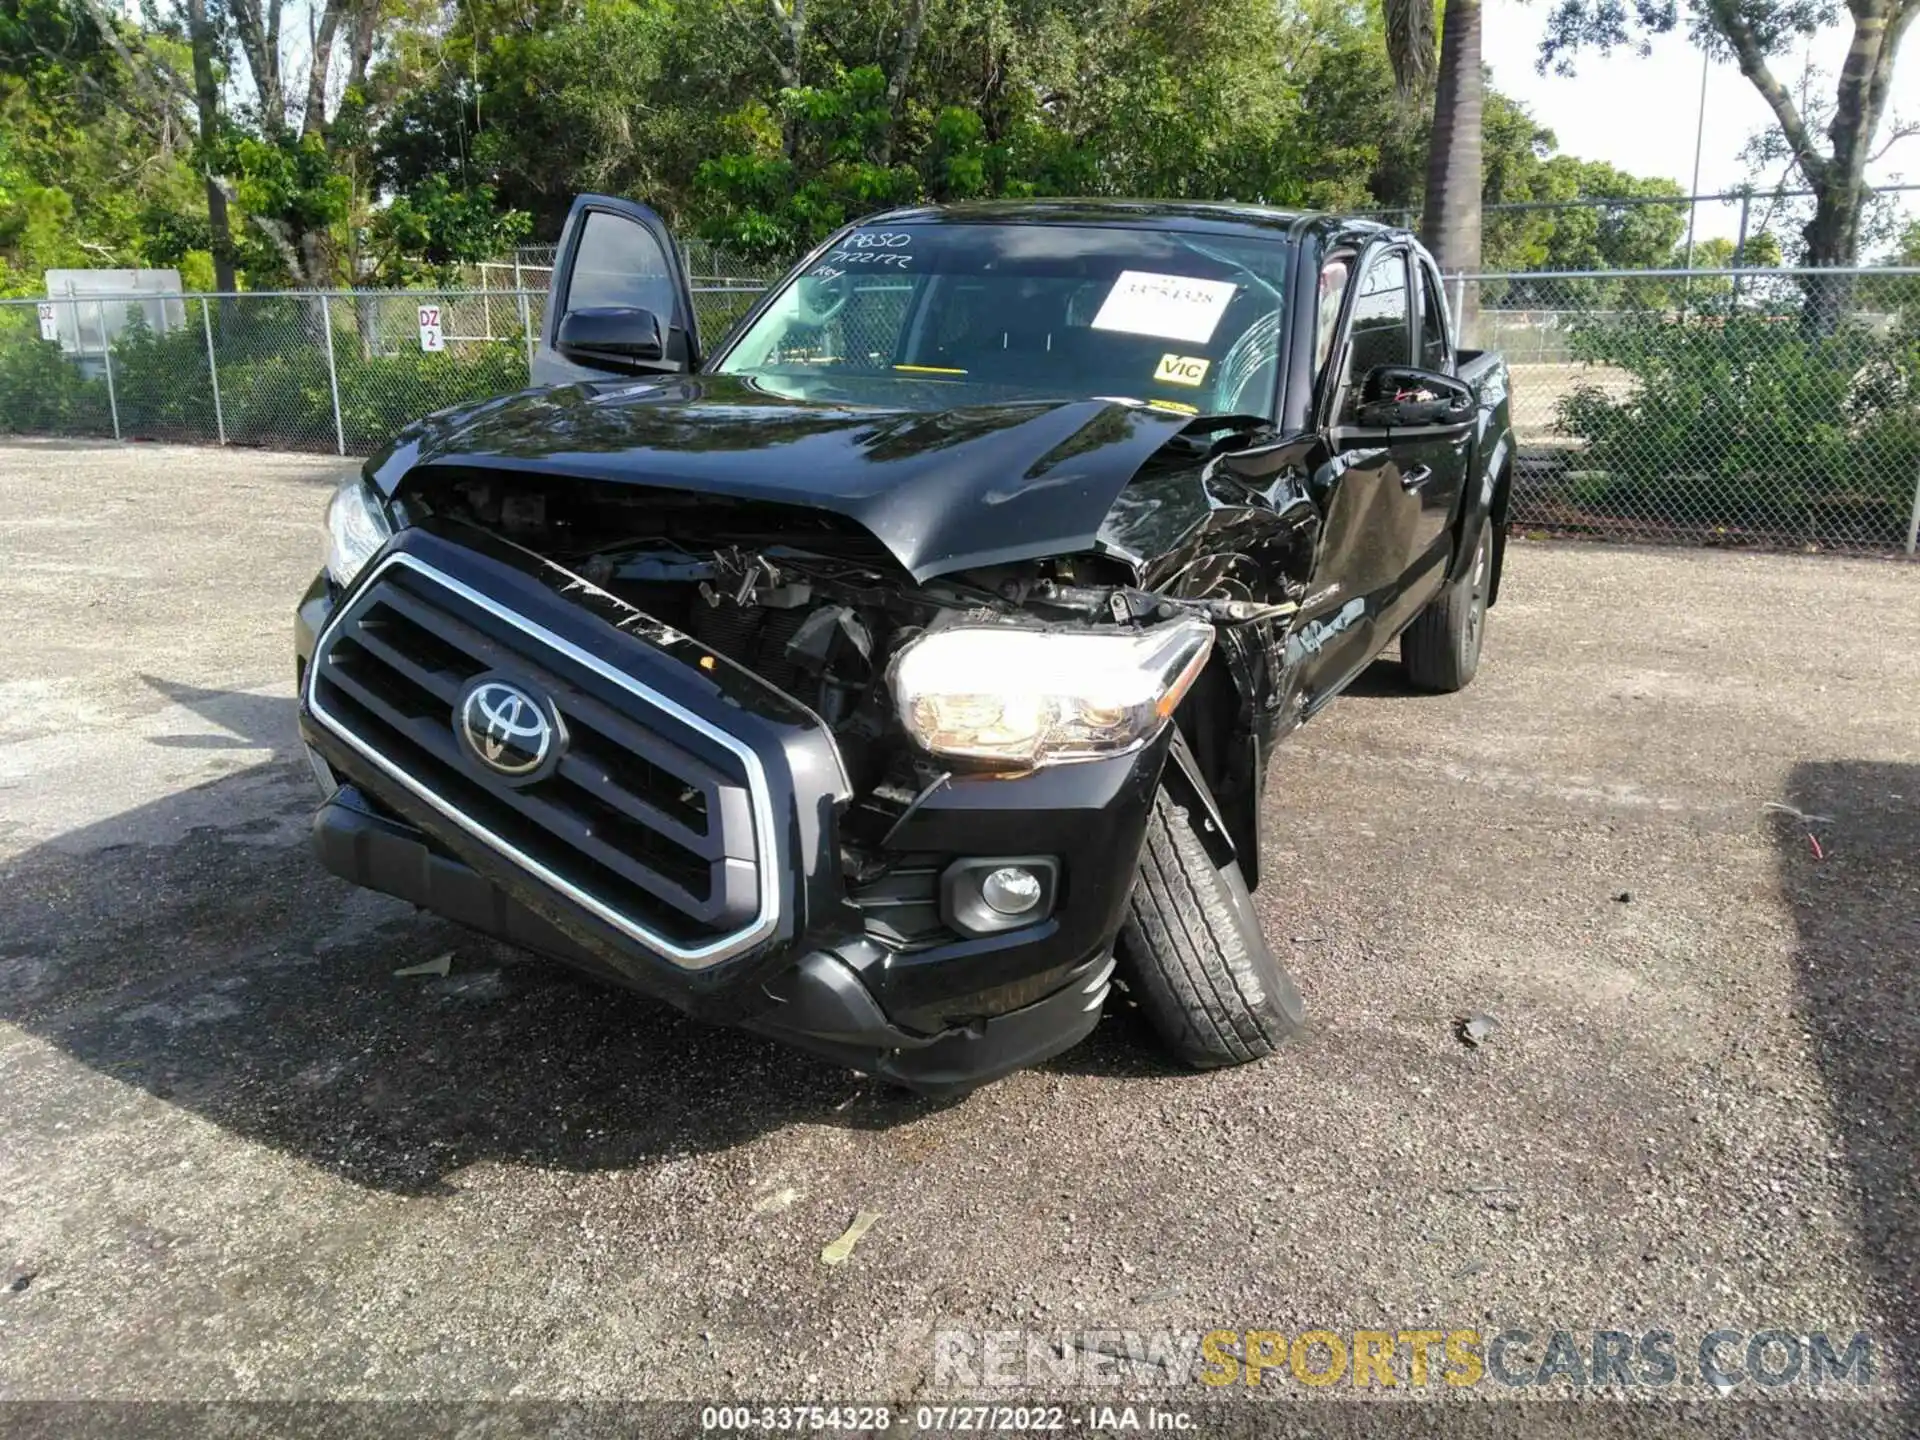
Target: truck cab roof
1214, 217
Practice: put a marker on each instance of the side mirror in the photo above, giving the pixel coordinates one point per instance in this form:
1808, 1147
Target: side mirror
622, 332
1396, 397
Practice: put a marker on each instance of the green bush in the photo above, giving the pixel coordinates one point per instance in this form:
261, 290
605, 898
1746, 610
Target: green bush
161, 383
719, 312
381, 393
1748, 420
274, 386
42, 392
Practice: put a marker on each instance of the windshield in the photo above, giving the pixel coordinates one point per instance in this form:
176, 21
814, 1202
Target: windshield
1186, 322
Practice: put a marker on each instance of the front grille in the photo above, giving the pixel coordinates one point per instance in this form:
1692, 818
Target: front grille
652, 821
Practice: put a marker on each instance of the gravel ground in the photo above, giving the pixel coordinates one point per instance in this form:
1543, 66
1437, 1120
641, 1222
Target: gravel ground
240, 1157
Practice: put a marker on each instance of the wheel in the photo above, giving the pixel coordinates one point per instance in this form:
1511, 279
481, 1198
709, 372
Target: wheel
1194, 957
1440, 650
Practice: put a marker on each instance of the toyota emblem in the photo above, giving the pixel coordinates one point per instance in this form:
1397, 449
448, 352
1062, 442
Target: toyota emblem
506, 728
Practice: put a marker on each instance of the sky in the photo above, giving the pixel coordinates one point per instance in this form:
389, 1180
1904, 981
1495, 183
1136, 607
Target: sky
1642, 115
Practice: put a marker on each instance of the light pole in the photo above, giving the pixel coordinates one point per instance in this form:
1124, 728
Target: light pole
1699, 139
1693, 193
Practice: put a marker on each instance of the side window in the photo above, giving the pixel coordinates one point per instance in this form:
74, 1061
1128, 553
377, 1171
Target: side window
620, 263
1435, 352
1333, 289
1382, 332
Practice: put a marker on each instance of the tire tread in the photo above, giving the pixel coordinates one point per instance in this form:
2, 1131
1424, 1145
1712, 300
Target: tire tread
1430, 646
1195, 974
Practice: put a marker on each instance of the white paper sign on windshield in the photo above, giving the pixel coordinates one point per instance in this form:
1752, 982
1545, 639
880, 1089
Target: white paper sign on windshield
1169, 307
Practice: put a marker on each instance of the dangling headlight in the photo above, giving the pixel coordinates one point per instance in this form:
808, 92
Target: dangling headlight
357, 526
1015, 699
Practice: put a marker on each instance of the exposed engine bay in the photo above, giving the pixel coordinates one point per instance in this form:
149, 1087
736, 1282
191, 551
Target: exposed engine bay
806, 600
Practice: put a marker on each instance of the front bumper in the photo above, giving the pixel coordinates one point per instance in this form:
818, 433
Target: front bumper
772, 937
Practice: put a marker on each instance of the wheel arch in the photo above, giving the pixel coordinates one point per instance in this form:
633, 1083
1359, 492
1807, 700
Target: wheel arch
1497, 516
1213, 766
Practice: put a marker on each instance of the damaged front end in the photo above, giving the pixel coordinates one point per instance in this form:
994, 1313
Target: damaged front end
735, 755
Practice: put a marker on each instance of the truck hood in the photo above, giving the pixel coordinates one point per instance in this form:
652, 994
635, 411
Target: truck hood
943, 489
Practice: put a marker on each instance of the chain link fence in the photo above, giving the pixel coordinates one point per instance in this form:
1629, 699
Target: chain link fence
712, 268
1776, 408
338, 371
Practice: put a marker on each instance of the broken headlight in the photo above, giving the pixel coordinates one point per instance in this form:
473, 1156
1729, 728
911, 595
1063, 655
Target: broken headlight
1015, 699
357, 526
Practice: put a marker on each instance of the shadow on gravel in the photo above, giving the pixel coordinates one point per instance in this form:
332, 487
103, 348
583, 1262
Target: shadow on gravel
226, 973
1121, 1047
1382, 680
1857, 967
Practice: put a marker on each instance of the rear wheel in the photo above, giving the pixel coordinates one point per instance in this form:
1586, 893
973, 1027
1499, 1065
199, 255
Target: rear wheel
1440, 650
1193, 955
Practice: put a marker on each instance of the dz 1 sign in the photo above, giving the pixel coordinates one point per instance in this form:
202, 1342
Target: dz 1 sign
432, 337
49, 326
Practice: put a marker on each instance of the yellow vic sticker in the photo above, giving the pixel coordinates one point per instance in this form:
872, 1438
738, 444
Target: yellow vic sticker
1181, 370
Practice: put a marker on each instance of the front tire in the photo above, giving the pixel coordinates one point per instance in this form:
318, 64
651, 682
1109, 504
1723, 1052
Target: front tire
1440, 650
1193, 955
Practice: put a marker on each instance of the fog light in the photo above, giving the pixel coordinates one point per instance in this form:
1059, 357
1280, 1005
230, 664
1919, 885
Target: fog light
987, 894
1012, 890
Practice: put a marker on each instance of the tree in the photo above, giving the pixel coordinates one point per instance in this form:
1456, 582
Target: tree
1571, 235
294, 186
426, 233
543, 101
93, 144
905, 50
1753, 33
1451, 215
1906, 250
394, 140
1410, 50
1450, 223
1760, 252
203, 42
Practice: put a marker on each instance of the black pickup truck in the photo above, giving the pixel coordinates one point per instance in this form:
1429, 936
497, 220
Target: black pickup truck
900, 674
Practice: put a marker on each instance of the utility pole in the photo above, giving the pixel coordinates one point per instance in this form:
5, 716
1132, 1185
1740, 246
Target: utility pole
1693, 191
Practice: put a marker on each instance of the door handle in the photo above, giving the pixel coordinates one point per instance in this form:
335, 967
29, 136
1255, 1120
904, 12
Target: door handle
1413, 479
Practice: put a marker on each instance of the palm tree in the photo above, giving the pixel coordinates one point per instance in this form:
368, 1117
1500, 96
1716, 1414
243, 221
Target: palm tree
1450, 221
